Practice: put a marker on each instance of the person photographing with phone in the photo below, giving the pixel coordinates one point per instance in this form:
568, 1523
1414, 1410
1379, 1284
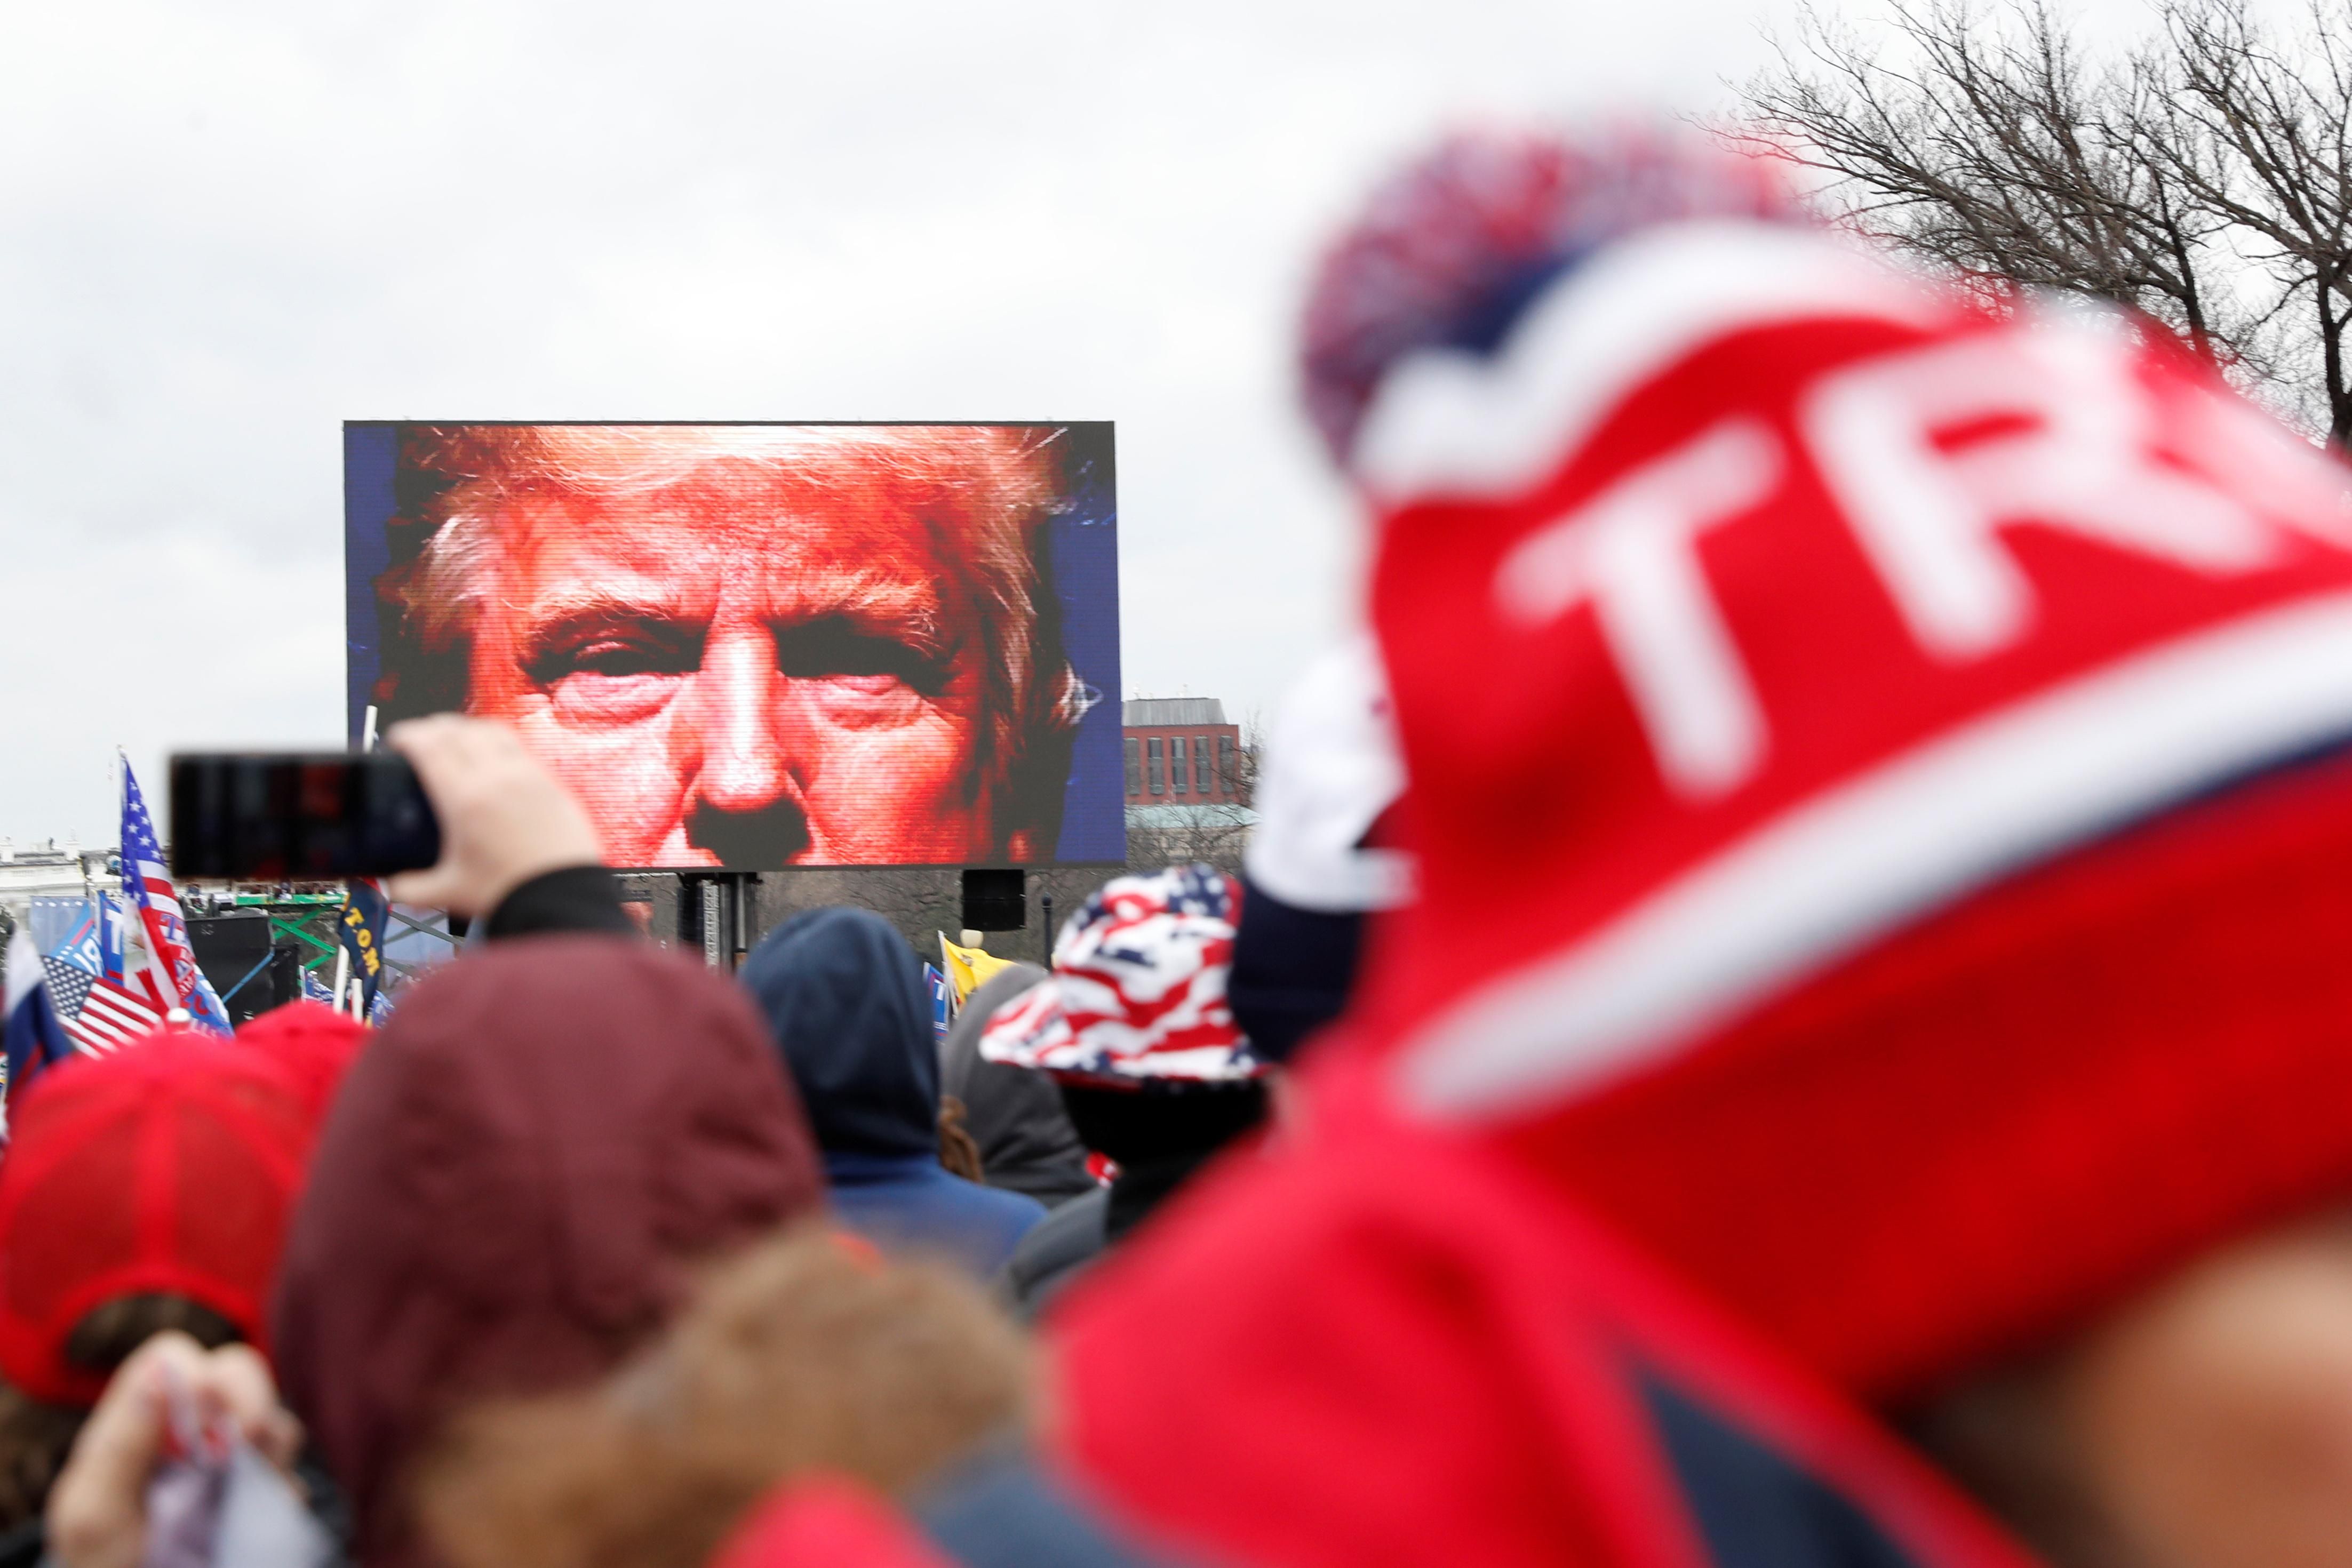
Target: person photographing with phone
454, 813
180, 1419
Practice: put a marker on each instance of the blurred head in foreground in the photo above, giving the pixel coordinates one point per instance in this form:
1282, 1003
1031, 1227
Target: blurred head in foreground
753, 646
143, 1190
1880, 816
519, 1178
1881, 804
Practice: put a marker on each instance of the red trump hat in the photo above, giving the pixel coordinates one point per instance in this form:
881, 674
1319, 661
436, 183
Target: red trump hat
1881, 803
170, 1165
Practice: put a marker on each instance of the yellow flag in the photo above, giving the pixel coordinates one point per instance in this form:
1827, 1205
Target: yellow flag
968, 968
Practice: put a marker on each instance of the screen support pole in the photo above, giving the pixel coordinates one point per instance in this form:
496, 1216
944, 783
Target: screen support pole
716, 913
744, 897
715, 923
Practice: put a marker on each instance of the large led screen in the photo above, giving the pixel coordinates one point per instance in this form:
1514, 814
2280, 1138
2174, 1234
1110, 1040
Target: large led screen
760, 645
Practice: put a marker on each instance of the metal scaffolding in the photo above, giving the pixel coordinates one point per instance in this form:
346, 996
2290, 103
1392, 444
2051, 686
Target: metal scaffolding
306, 913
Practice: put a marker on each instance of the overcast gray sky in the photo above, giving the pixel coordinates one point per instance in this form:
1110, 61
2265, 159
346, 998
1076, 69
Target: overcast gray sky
225, 228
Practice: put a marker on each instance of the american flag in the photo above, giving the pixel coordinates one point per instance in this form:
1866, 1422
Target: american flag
98, 1014
147, 889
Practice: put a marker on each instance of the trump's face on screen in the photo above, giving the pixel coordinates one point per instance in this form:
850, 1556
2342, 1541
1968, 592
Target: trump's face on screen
756, 646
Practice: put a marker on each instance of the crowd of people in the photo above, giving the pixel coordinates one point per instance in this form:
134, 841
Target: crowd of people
1788, 1009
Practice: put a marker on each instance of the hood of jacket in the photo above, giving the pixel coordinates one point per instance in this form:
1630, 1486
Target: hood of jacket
517, 1179
847, 1006
1014, 1113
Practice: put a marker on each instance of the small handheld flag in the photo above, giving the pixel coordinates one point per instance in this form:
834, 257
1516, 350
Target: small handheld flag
98, 1014
967, 968
943, 1001
33, 1036
147, 890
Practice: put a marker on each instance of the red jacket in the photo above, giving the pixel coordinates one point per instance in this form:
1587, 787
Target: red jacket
1396, 1348
1392, 1349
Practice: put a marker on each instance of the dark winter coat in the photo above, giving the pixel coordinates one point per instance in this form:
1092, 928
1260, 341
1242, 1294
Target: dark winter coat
845, 1004
1014, 1113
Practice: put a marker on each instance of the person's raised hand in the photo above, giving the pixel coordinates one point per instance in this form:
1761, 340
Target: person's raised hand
504, 817
97, 1515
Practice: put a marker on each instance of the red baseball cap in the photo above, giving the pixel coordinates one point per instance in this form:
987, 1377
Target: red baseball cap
171, 1166
315, 1044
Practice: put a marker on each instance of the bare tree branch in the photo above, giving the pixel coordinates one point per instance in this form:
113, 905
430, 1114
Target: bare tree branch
2204, 179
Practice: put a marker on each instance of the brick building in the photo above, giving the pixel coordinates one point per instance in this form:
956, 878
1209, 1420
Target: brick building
1181, 751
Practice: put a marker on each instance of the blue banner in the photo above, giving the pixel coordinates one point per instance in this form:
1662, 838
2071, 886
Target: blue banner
943, 1001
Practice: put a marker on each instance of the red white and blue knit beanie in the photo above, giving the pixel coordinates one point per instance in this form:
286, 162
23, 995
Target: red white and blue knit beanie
1881, 807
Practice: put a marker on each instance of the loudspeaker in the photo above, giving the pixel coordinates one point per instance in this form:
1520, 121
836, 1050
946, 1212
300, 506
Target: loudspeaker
995, 900
232, 949
285, 974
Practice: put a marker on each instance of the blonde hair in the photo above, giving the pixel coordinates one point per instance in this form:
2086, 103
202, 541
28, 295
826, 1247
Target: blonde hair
981, 494
805, 1354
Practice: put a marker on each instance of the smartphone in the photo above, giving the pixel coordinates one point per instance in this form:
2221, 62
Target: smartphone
297, 816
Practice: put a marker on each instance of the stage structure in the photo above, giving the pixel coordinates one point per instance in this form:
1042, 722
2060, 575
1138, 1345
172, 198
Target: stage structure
302, 916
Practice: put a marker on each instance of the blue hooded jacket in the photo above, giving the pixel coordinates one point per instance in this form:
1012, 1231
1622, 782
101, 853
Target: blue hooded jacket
846, 1002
